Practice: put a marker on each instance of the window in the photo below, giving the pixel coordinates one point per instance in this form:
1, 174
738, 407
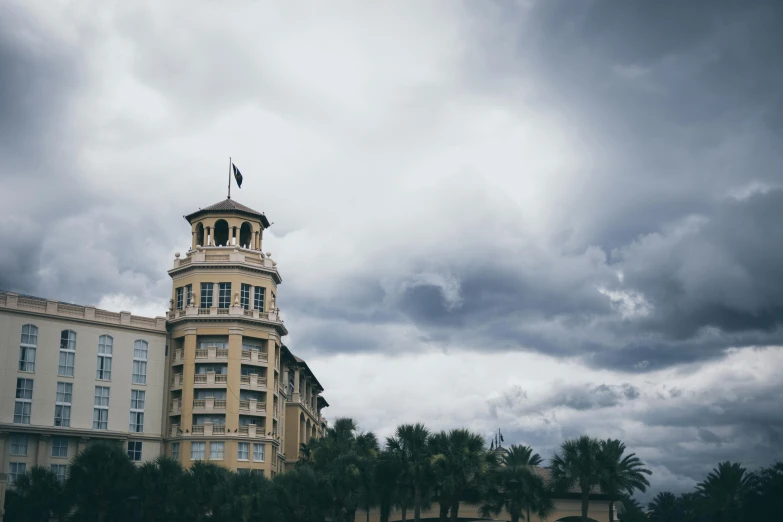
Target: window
15, 470
18, 445
60, 447
197, 450
258, 452
206, 295
139, 362
100, 417
175, 450
224, 295
258, 298
180, 297
244, 296
67, 353
243, 451
59, 470
105, 347
137, 411
216, 450
27, 348
62, 404
134, 450
24, 401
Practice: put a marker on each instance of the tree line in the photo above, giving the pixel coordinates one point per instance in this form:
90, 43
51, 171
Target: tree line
350, 472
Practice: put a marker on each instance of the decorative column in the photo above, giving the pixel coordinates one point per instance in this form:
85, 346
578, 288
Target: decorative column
42, 458
209, 236
296, 395
234, 377
234, 239
215, 294
270, 391
188, 373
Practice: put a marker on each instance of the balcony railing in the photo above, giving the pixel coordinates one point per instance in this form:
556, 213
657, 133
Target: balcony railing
177, 359
198, 430
221, 378
174, 429
199, 404
176, 380
252, 406
255, 356
252, 381
176, 406
212, 353
200, 378
219, 429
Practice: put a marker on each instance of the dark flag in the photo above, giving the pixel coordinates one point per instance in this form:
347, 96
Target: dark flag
237, 175
501, 437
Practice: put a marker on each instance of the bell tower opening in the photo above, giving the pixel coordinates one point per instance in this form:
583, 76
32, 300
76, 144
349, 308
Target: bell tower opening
200, 234
246, 235
221, 232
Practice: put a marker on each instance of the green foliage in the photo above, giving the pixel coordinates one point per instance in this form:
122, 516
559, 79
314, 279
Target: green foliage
343, 476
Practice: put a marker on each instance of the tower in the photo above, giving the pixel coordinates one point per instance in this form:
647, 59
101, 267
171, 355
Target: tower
225, 395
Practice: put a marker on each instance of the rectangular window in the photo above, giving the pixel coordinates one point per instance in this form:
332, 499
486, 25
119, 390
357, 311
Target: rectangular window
15, 470
140, 349
18, 445
27, 347
60, 447
100, 417
224, 295
244, 296
62, 407
134, 450
175, 450
243, 451
258, 453
180, 297
216, 450
258, 298
60, 470
24, 401
137, 411
105, 349
67, 353
206, 295
197, 450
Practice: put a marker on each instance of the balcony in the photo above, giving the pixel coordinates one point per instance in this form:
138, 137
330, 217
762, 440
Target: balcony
173, 431
178, 357
176, 380
252, 431
211, 353
252, 382
209, 404
176, 407
252, 407
255, 357
210, 379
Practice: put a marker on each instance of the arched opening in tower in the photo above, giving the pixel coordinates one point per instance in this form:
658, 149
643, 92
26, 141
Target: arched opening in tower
221, 232
200, 234
245, 235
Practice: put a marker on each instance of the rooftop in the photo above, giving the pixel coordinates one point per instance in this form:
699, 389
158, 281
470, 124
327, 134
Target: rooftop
229, 206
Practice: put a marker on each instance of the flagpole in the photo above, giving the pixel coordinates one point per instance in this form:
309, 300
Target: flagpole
229, 177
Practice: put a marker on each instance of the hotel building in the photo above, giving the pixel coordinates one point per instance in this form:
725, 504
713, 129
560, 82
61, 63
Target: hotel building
210, 381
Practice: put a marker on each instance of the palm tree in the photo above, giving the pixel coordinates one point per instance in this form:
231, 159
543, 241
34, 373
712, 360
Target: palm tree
578, 464
388, 475
40, 495
206, 485
620, 474
161, 489
460, 463
100, 482
516, 486
411, 443
722, 493
300, 495
665, 507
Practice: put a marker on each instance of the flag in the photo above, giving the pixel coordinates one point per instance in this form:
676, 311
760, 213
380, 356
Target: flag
237, 175
501, 437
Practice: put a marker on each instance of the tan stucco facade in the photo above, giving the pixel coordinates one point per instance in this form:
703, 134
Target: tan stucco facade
35, 428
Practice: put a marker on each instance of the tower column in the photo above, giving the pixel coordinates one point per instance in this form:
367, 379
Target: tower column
270, 390
188, 374
193, 240
233, 379
215, 294
209, 236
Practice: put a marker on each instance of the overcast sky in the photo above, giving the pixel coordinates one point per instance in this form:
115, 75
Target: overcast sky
551, 217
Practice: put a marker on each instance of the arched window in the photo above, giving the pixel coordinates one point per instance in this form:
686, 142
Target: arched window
67, 353
199, 234
221, 232
27, 348
139, 362
105, 349
245, 235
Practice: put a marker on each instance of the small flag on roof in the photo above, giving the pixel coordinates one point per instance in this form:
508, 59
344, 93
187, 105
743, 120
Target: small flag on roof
237, 175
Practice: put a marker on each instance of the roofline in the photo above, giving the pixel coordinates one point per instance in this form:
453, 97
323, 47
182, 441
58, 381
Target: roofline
264, 221
302, 364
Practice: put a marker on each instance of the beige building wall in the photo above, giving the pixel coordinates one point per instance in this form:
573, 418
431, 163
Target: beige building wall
50, 318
